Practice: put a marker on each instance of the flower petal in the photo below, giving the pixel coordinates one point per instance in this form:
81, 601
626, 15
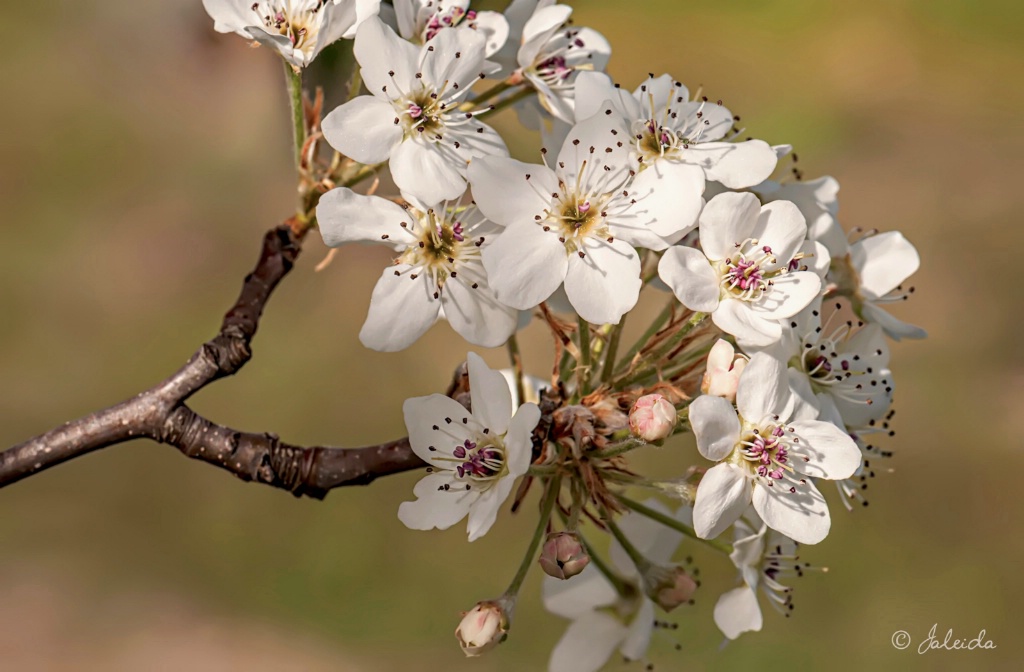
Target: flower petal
737, 612
895, 328
422, 169
485, 509
344, 216
605, 284
475, 314
715, 426
735, 164
668, 198
788, 295
802, 516
230, 16
781, 227
387, 62
833, 454
722, 497
363, 128
525, 265
641, 629
519, 439
883, 262
441, 66
691, 278
435, 506
751, 329
593, 88
763, 389
593, 155
509, 191
492, 400
402, 308
572, 599
727, 220
422, 415
587, 644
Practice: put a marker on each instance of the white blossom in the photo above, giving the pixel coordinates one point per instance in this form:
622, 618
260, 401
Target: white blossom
765, 458
845, 362
741, 274
298, 29
666, 125
552, 53
872, 272
412, 117
579, 221
763, 557
475, 457
420, 20
437, 271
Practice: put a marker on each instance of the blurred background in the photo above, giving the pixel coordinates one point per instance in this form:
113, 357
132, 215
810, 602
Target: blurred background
141, 158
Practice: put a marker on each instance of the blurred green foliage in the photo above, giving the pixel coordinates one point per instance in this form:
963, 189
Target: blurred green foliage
141, 157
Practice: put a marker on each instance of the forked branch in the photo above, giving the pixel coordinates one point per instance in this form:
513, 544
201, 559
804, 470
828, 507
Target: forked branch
160, 413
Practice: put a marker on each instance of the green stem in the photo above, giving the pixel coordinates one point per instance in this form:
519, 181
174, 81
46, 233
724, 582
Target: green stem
293, 79
619, 448
613, 347
550, 496
361, 174
663, 350
669, 521
517, 367
635, 555
577, 506
655, 327
493, 92
583, 370
501, 105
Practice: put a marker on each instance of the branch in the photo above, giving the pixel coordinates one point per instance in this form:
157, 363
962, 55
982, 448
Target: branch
160, 413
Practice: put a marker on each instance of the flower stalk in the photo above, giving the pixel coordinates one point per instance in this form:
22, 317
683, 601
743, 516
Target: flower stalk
547, 506
293, 80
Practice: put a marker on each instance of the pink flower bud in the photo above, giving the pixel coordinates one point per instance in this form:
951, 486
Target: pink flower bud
668, 587
723, 372
563, 557
482, 628
652, 418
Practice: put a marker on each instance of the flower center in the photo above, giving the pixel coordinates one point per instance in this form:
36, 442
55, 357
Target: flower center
835, 367
479, 461
441, 20
745, 275
654, 141
554, 70
440, 241
300, 24
765, 451
421, 114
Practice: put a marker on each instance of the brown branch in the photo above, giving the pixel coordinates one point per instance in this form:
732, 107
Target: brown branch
160, 413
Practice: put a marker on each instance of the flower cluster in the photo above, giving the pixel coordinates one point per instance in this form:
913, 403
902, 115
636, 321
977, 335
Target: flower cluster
771, 349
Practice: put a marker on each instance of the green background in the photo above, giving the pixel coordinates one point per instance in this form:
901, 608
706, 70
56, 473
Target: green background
142, 156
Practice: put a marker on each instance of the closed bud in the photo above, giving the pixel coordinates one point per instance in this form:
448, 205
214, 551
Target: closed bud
722, 376
484, 627
668, 587
563, 557
652, 418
